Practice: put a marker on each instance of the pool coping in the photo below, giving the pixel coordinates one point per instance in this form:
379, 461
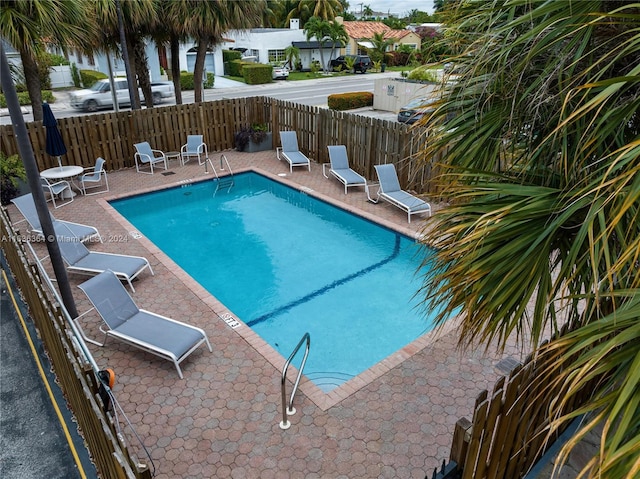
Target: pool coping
323, 400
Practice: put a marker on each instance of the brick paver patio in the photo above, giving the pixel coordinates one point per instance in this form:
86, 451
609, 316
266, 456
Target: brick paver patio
395, 420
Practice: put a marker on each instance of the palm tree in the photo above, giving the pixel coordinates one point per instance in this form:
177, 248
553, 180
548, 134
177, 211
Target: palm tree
367, 12
26, 25
380, 46
292, 55
338, 35
323, 9
140, 21
318, 29
208, 20
541, 170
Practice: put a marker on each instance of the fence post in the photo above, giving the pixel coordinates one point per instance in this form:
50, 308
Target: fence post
460, 442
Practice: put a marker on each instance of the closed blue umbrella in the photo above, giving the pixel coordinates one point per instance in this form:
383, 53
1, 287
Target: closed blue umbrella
55, 144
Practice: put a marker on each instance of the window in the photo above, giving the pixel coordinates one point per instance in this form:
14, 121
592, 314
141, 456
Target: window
276, 56
91, 60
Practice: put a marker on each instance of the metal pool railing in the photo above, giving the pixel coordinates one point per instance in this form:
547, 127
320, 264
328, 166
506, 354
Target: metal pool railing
289, 409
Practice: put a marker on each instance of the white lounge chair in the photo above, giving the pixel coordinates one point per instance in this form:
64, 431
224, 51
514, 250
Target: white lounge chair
339, 168
389, 190
194, 147
151, 332
80, 260
94, 177
290, 152
145, 155
27, 208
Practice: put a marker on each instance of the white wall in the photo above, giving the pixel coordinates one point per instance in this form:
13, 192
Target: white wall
391, 94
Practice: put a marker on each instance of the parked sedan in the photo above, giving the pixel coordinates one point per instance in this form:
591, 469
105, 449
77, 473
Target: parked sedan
415, 110
280, 71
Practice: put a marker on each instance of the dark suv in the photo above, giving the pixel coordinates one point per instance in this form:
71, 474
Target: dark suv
362, 63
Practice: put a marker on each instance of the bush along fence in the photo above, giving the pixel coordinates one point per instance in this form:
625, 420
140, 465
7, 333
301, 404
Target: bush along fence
369, 141
85, 389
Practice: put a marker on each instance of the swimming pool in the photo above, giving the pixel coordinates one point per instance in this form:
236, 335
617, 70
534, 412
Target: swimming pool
286, 263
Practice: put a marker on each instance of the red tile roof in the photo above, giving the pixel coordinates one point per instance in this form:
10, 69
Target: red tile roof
362, 30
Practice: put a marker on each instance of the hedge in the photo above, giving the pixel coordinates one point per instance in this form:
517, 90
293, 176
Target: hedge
89, 77
23, 98
257, 73
349, 101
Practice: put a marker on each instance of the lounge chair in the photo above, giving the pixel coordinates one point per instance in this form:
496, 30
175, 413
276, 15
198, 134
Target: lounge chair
151, 332
339, 168
80, 260
290, 152
145, 155
60, 189
194, 147
389, 190
94, 177
27, 208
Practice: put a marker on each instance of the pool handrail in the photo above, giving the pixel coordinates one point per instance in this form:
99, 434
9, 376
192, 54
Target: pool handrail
285, 424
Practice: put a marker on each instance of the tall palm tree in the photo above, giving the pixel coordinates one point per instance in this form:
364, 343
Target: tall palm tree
210, 19
175, 15
318, 29
323, 9
538, 139
26, 24
338, 35
140, 20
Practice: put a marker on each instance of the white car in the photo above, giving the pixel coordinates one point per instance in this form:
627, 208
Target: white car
99, 95
280, 71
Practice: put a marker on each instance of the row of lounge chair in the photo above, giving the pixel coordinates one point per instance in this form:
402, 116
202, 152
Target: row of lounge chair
388, 184
123, 320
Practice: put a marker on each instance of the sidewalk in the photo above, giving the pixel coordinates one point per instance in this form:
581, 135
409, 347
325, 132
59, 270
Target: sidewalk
38, 436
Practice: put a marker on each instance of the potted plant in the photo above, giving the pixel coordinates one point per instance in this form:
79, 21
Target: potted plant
13, 178
256, 137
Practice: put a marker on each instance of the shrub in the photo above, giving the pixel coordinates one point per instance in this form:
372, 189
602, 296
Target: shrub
211, 78
11, 170
256, 133
349, 101
390, 59
257, 73
229, 55
23, 98
423, 73
234, 67
186, 81
89, 77
75, 75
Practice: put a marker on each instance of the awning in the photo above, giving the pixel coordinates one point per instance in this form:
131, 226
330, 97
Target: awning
366, 44
314, 45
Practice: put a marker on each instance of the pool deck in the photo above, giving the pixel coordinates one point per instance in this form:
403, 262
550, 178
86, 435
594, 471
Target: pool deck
222, 420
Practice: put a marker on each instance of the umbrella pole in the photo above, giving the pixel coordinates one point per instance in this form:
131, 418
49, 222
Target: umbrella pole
33, 176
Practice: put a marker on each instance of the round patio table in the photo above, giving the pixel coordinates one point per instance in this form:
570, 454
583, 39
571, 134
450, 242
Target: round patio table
62, 172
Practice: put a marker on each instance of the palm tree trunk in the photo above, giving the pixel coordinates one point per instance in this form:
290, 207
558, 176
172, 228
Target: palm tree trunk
142, 66
175, 68
133, 71
198, 70
32, 79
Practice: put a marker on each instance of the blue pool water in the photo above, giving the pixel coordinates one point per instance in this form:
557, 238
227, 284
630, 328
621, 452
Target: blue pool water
286, 263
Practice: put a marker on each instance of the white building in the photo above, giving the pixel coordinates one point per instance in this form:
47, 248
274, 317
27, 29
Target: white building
265, 44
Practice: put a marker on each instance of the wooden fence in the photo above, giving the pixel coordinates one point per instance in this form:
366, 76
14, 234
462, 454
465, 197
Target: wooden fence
370, 141
508, 434
75, 374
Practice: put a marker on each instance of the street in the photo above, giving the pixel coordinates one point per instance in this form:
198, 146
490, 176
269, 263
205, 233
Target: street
312, 92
